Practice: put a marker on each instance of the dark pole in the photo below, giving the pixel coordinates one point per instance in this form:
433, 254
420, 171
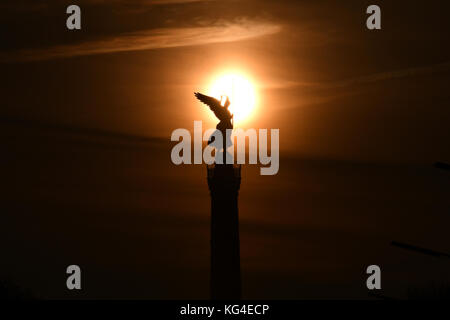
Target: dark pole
420, 249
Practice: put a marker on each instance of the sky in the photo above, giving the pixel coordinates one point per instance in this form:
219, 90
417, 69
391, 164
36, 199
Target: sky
134, 65
87, 117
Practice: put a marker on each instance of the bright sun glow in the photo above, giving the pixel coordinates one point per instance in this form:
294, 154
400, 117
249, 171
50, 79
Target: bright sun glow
240, 90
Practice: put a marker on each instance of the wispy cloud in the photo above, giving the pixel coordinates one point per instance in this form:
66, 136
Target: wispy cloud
32, 5
313, 93
366, 79
397, 74
144, 2
149, 39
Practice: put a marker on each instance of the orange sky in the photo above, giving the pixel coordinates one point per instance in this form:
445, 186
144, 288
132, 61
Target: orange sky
86, 118
333, 88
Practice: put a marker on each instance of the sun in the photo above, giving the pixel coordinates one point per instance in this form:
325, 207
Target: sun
241, 92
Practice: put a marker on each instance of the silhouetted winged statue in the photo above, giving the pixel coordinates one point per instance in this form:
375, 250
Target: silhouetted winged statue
221, 112
225, 117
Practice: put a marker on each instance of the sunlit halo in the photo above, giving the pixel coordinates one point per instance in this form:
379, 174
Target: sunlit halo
240, 90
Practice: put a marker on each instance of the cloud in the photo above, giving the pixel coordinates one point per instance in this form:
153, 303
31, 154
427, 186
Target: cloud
397, 74
144, 2
148, 40
32, 5
313, 93
366, 79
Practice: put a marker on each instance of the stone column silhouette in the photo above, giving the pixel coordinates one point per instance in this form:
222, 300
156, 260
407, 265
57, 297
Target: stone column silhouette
224, 181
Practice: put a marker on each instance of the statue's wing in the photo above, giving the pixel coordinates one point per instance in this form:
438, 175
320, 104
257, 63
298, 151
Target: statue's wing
213, 104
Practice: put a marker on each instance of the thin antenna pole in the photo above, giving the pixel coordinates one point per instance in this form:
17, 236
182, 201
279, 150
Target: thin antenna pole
420, 249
